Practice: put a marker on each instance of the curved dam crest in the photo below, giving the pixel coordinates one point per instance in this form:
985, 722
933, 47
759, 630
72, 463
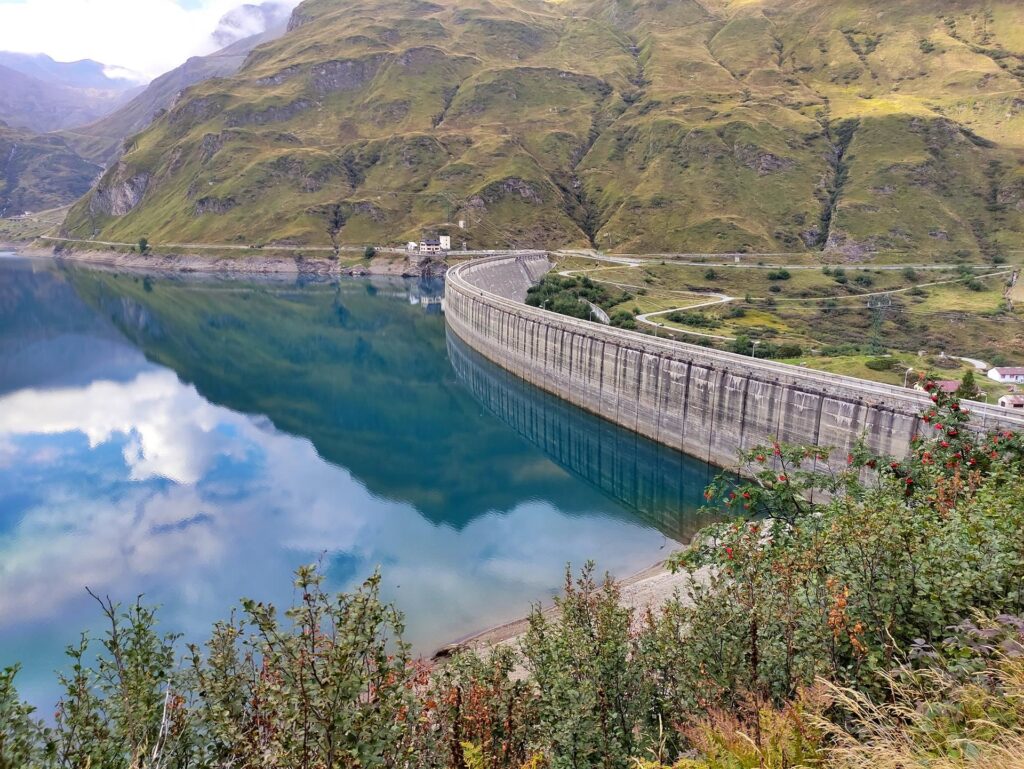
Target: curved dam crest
705, 403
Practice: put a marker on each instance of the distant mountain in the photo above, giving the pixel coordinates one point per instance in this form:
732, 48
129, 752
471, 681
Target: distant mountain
102, 141
84, 74
33, 104
852, 126
39, 172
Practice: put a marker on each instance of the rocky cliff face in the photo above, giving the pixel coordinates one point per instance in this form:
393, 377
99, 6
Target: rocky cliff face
634, 126
119, 192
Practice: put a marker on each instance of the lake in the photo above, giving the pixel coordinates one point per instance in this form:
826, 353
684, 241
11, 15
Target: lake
194, 440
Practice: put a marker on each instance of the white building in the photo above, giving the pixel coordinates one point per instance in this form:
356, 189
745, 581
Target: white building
430, 246
1011, 375
412, 245
1012, 402
436, 245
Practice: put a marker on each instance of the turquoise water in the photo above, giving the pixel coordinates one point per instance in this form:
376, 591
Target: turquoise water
194, 440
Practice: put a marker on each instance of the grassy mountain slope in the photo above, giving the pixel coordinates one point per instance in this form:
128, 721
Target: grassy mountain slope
39, 172
634, 125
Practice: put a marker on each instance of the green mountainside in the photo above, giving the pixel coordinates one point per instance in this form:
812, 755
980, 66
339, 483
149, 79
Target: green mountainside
39, 171
631, 125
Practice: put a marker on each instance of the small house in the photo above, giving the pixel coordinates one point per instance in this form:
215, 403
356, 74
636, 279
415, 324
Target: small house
436, 244
1007, 375
1012, 402
412, 245
430, 246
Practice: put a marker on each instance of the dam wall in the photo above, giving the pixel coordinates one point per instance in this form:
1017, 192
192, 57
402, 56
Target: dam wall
705, 403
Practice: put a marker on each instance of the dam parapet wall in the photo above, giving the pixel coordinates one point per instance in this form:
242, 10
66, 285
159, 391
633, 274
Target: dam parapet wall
705, 403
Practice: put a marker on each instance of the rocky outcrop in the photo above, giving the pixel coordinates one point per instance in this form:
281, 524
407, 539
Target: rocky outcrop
274, 114
279, 77
211, 145
347, 75
761, 161
213, 205
193, 111
298, 20
120, 191
512, 186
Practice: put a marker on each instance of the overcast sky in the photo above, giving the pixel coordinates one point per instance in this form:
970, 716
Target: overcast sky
147, 36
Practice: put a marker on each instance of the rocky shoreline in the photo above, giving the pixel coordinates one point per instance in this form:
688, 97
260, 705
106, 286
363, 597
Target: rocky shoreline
396, 265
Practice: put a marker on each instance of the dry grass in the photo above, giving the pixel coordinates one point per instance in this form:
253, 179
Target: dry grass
943, 727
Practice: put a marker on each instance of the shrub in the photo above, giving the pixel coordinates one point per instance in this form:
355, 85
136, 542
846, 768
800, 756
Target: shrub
710, 275
881, 364
623, 319
864, 280
693, 319
369, 252
779, 275
789, 351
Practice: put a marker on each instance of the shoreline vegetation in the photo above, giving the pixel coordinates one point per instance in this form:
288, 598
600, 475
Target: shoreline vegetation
881, 628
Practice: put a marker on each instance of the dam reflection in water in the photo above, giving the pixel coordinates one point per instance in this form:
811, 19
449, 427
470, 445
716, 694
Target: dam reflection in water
663, 487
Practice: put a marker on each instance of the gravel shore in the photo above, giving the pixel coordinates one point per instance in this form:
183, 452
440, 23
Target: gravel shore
648, 589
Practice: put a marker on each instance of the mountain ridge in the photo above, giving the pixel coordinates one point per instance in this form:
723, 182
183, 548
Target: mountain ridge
631, 126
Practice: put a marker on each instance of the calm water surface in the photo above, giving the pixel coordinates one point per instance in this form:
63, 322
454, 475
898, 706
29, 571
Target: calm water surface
194, 440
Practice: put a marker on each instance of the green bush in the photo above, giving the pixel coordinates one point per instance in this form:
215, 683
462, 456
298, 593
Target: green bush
569, 296
881, 364
693, 319
623, 319
864, 280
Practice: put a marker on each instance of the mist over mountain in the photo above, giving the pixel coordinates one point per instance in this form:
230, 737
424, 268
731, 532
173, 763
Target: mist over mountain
39, 105
249, 20
83, 74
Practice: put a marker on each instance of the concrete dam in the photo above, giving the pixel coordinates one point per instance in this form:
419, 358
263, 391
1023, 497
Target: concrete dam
704, 403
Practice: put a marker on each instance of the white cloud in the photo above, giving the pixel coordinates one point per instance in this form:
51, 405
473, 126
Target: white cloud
199, 542
146, 36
